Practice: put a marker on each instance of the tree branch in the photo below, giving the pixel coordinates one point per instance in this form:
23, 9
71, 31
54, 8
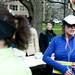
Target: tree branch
57, 2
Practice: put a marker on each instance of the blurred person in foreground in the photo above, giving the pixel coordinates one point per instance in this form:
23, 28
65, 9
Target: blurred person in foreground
64, 48
10, 63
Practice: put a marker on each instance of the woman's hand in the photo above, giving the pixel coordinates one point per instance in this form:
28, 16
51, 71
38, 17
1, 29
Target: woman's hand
73, 66
68, 72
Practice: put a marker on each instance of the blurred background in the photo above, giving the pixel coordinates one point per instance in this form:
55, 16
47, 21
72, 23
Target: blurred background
41, 11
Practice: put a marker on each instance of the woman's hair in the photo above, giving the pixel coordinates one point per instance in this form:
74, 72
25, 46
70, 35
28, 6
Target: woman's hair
8, 28
7, 25
30, 19
64, 23
23, 33
51, 21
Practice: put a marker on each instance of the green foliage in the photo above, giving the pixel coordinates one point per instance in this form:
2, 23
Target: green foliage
57, 29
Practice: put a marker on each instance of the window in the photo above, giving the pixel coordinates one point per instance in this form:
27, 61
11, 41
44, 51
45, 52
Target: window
22, 8
14, 7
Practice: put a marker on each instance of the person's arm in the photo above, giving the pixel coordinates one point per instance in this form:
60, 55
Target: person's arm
49, 61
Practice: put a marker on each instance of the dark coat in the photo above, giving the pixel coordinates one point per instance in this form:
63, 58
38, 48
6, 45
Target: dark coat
44, 39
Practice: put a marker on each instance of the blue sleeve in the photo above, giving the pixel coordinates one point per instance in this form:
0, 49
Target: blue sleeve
48, 60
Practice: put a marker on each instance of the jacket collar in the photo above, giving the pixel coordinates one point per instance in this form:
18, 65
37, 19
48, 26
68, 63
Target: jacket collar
63, 36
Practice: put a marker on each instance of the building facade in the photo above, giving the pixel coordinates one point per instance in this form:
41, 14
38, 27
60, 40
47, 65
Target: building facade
16, 8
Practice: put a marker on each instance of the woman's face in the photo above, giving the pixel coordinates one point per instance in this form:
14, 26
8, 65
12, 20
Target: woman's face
70, 30
49, 26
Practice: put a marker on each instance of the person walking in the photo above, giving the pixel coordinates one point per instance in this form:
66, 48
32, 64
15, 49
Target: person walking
33, 44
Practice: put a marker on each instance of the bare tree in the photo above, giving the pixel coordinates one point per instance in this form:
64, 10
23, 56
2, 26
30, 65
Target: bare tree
35, 9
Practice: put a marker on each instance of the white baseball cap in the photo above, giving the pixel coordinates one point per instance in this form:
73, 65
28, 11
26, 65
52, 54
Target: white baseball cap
70, 19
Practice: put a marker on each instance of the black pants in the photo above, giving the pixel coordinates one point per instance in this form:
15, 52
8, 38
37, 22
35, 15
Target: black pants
41, 70
48, 70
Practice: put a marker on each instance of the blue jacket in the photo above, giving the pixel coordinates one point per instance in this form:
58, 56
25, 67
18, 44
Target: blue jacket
62, 50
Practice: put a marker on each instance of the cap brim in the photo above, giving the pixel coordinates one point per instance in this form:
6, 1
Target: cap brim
70, 19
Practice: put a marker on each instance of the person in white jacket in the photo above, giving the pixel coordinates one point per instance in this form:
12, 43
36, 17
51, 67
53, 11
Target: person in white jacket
33, 45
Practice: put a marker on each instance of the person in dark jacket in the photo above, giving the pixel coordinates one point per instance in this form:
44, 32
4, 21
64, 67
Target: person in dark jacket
46, 36
44, 40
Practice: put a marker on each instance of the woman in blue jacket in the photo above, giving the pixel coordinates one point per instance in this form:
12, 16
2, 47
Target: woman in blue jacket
64, 48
